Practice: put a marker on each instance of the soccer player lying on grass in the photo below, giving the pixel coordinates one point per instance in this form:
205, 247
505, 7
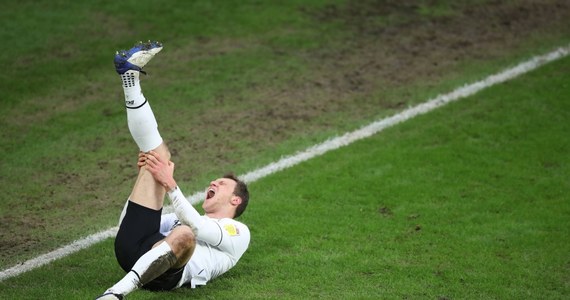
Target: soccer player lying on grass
164, 252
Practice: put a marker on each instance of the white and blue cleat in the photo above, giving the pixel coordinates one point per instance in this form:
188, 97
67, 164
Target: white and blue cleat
137, 57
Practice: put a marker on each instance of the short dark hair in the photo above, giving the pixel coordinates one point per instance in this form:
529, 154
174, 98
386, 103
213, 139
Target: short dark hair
241, 191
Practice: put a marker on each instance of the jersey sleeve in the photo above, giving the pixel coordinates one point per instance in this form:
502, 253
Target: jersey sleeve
235, 237
227, 235
185, 212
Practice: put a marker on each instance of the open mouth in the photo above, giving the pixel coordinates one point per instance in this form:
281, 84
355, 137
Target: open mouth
210, 193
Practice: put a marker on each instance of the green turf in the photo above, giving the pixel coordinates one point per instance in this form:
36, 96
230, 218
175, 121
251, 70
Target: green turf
63, 133
65, 167
64, 142
466, 202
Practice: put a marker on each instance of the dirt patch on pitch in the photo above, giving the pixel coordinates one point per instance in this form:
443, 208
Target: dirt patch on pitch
388, 45
380, 55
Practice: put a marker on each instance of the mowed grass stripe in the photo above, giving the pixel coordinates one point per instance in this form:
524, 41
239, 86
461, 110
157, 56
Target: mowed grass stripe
465, 202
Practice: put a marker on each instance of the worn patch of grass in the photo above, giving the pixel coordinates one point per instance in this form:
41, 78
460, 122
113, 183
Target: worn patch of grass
236, 87
468, 201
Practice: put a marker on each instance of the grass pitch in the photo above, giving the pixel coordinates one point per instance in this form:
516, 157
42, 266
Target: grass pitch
469, 201
463, 203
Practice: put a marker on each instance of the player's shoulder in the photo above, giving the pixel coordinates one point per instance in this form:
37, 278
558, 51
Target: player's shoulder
233, 222
234, 227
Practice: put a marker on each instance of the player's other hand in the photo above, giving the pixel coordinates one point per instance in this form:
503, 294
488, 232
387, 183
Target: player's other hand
142, 160
161, 169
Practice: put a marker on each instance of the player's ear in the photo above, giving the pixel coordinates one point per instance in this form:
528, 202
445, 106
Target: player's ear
236, 200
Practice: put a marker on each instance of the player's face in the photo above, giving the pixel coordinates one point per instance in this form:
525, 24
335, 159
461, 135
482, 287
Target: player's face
220, 192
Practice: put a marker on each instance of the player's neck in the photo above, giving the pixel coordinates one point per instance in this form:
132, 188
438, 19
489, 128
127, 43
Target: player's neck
220, 215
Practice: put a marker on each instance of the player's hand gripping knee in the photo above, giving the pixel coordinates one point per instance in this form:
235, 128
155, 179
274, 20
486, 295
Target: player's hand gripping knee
161, 170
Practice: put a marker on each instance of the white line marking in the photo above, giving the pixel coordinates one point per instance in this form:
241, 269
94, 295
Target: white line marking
58, 253
314, 151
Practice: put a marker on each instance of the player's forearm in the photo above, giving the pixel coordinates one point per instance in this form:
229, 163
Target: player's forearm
185, 212
207, 231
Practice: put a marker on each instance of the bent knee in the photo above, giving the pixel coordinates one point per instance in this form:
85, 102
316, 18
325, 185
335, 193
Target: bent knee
163, 151
181, 239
